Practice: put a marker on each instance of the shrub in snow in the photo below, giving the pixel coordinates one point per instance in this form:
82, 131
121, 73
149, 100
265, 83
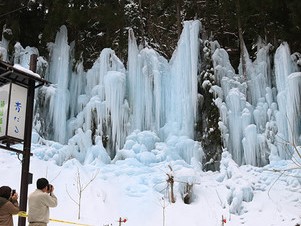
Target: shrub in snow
187, 193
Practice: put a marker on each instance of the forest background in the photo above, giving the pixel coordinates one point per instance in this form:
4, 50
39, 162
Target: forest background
97, 24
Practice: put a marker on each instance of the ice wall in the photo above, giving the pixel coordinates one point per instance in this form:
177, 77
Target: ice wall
162, 94
147, 71
152, 95
283, 68
102, 107
293, 104
259, 122
111, 105
181, 102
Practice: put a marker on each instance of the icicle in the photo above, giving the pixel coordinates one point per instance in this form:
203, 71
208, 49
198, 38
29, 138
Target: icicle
59, 75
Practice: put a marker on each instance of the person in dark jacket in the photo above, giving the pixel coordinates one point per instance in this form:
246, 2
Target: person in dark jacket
8, 206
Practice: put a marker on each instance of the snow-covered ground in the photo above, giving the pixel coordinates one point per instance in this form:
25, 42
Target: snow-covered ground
137, 192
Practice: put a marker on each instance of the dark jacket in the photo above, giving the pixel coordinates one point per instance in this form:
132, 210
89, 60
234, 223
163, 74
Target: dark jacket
7, 209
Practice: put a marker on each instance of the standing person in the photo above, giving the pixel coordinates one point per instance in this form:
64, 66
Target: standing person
8, 205
39, 202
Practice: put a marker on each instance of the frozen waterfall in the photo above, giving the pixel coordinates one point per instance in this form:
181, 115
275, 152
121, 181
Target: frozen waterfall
147, 110
259, 122
109, 102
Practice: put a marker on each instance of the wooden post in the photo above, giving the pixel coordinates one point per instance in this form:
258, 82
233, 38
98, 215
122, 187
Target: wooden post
121, 220
223, 220
33, 63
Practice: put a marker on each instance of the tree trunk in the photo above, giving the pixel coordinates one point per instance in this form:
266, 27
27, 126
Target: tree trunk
141, 23
241, 42
172, 196
179, 24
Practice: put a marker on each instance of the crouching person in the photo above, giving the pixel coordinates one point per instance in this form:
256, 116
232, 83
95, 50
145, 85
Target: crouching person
39, 202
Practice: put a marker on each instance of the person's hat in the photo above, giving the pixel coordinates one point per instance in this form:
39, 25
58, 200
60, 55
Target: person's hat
42, 183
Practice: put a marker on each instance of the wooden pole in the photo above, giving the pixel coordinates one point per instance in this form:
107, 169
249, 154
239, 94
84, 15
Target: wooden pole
26, 177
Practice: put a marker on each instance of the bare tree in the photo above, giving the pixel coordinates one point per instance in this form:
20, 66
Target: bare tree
187, 194
241, 41
80, 189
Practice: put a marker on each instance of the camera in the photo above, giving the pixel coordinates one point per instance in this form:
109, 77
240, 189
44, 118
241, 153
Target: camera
13, 192
49, 187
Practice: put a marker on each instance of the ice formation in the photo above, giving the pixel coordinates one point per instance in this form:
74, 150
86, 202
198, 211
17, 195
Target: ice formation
148, 109
257, 117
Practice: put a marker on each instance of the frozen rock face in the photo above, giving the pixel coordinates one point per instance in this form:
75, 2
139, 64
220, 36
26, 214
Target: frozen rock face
108, 103
293, 108
258, 119
259, 112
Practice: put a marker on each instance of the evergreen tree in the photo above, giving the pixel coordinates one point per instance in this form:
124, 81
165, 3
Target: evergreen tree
207, 129
294, 32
